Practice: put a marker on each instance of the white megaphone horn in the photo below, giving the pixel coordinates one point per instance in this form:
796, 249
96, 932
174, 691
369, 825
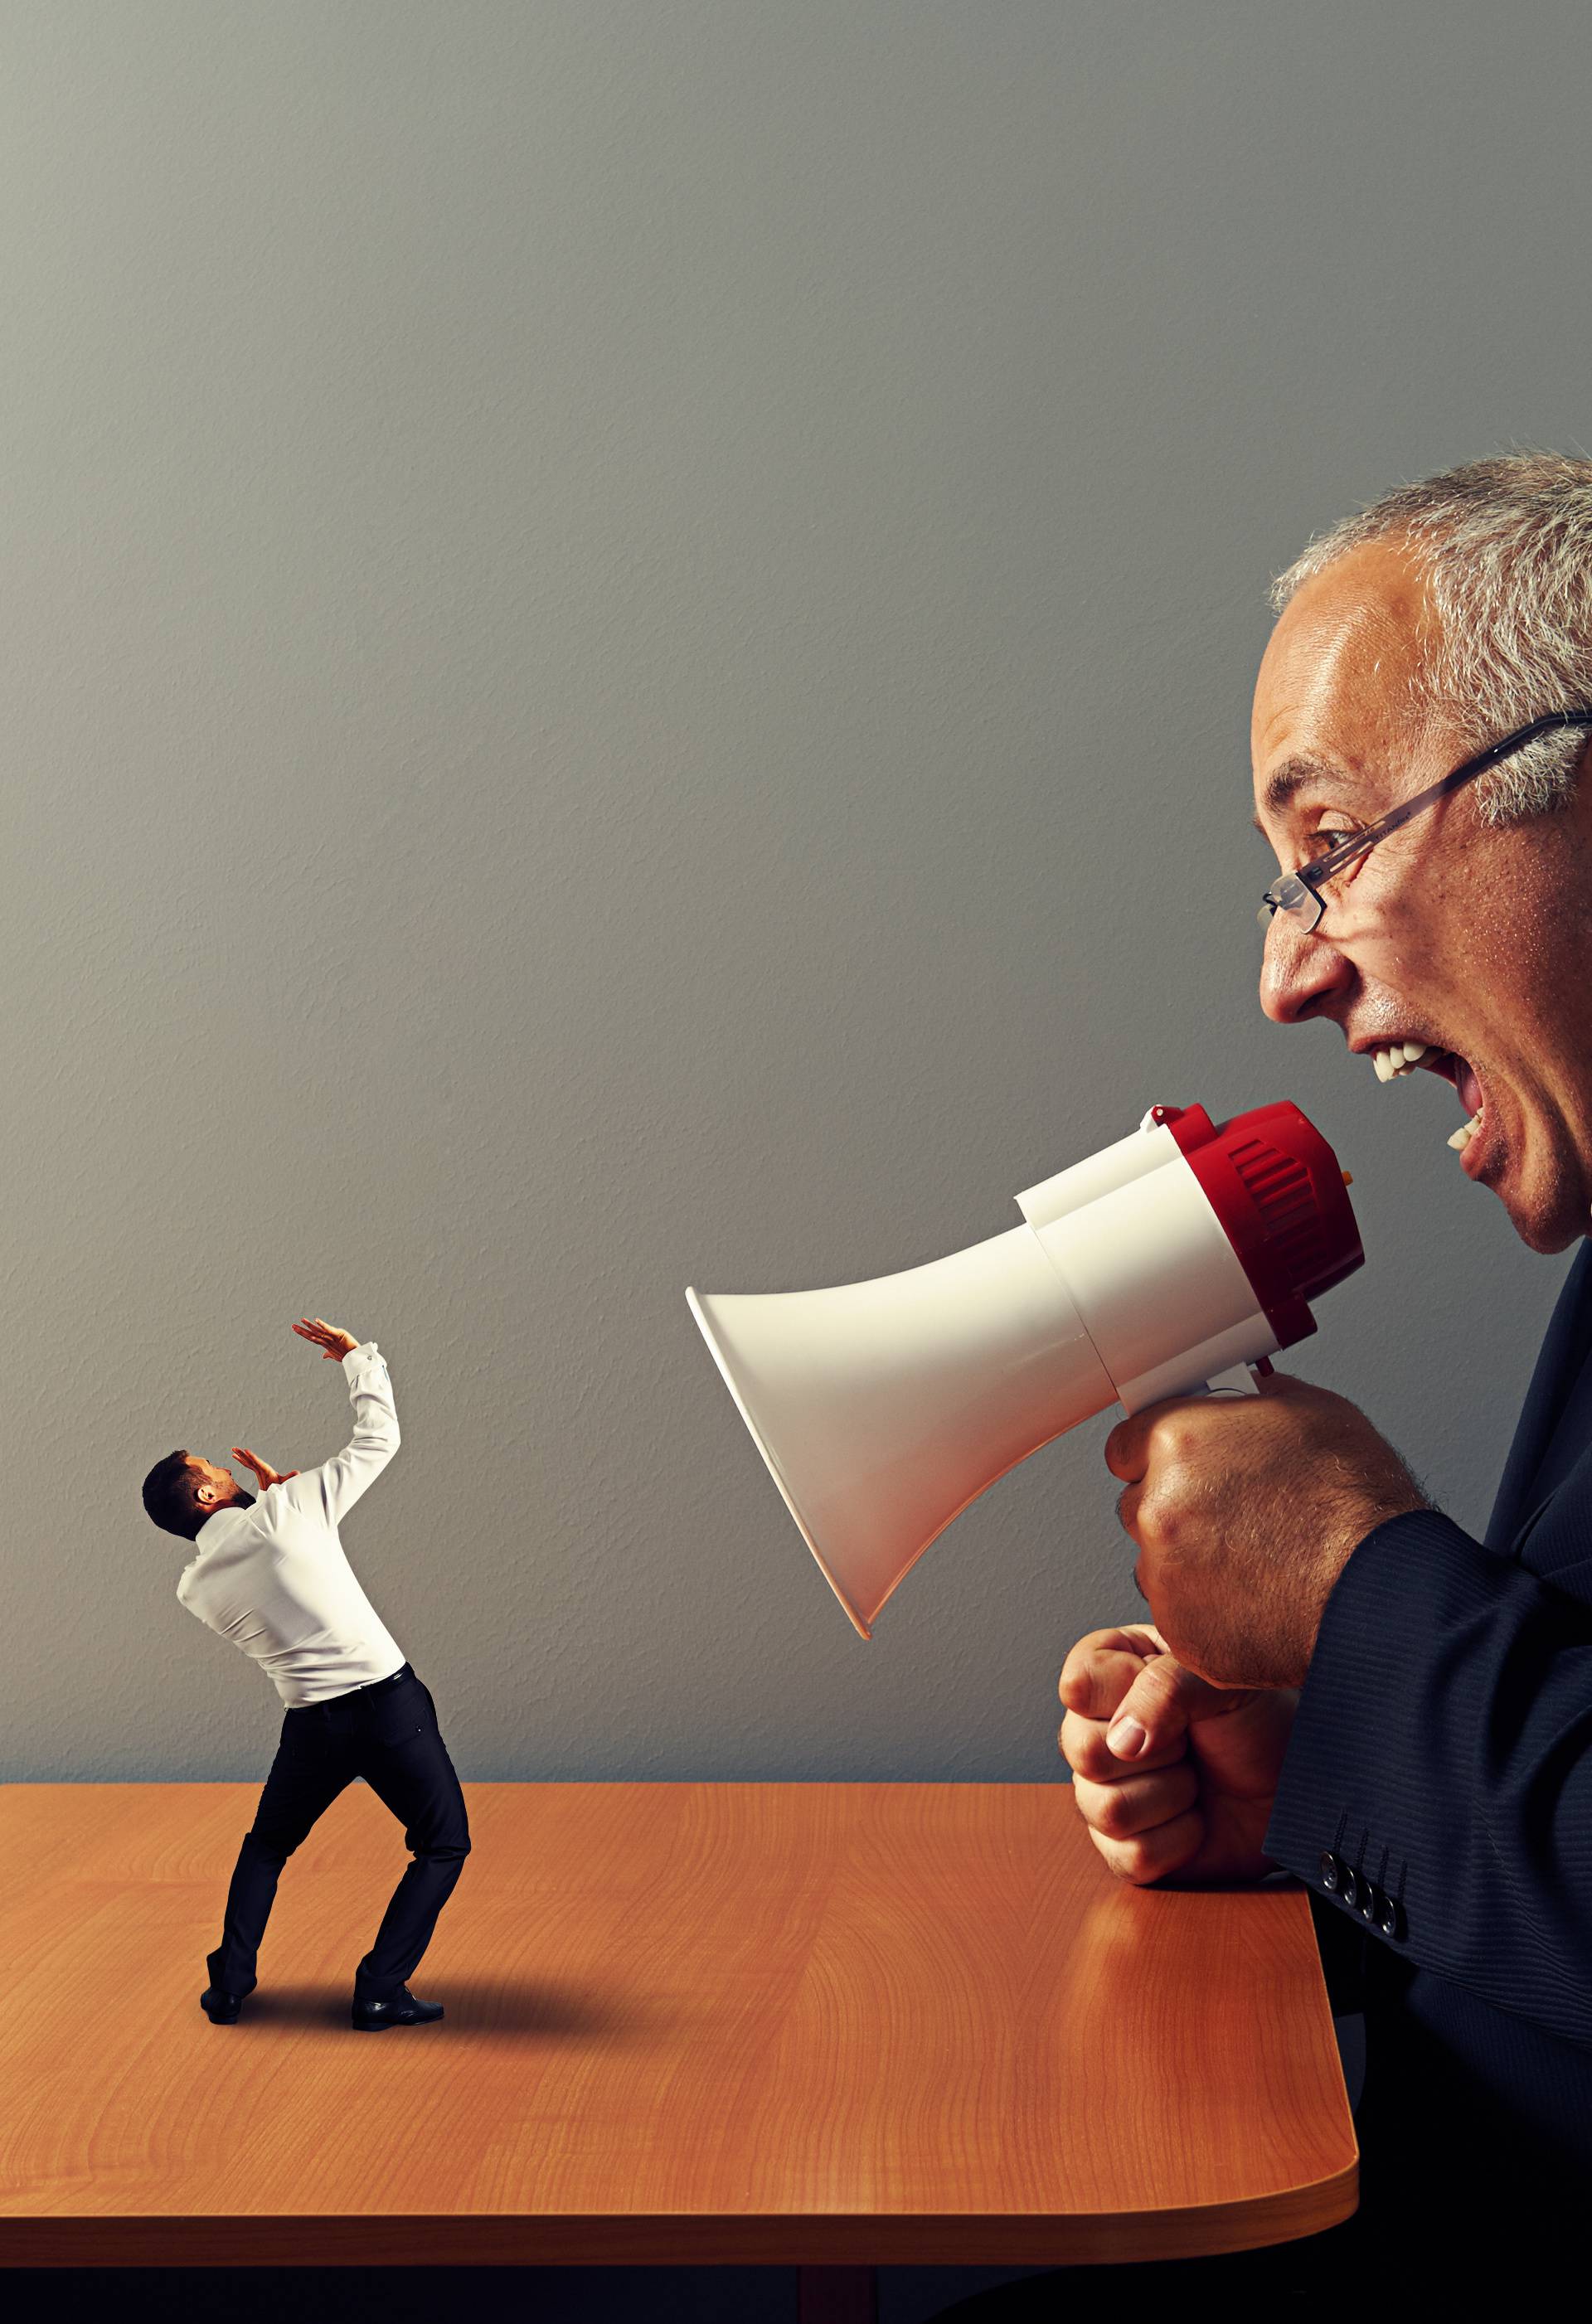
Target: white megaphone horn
1163, 1266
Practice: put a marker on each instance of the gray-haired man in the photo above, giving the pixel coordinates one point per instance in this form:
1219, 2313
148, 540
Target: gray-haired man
1338, 1681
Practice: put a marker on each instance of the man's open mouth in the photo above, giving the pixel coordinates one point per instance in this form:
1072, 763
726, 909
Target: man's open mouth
1392, 1060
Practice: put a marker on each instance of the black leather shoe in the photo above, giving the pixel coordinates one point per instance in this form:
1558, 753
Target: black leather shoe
220, 2008
403, 2009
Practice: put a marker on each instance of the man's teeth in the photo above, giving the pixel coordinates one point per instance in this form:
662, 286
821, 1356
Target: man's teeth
1398, 1057
1394, 1059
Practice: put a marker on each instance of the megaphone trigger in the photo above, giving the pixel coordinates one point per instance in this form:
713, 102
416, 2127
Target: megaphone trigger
1239, 1380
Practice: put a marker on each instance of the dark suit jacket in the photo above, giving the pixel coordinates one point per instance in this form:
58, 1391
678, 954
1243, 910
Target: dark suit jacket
1443, 1750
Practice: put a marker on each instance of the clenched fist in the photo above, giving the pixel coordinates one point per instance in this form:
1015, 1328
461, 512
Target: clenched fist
1172, 1775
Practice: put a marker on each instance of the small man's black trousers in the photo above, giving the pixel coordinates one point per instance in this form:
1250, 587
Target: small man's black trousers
386, 1732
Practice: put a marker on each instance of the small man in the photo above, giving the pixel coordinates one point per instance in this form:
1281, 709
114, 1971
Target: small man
271, 1575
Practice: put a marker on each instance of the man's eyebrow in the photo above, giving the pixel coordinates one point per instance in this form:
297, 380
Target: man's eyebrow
1292, 775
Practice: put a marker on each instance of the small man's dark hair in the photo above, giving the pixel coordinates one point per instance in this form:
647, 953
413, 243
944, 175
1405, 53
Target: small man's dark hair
168, 1498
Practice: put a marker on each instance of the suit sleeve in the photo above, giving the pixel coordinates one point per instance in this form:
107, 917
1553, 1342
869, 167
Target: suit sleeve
329, 1491
1443, 1747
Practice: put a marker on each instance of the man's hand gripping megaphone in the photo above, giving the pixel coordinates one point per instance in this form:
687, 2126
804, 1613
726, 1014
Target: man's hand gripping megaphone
1245, 1510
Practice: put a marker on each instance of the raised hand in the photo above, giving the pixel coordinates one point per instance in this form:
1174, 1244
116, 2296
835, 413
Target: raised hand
336, 1343
263, 1469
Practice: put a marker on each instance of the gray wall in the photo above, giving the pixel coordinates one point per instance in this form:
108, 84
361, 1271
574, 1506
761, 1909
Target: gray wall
628, 640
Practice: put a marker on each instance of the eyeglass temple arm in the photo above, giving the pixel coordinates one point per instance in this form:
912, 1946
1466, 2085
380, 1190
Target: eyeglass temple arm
1313, 874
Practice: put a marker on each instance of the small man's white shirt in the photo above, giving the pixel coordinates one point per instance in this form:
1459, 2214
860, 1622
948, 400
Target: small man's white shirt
274, 1578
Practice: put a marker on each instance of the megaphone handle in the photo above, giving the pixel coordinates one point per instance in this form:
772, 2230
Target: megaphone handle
1241, 1380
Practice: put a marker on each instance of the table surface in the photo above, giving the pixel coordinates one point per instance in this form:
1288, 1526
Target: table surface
808, 2024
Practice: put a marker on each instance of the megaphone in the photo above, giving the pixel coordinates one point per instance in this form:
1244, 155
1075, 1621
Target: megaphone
1165, 1264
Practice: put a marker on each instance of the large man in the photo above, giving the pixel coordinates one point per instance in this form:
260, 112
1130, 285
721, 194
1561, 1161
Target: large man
271, 1575
1339, 1681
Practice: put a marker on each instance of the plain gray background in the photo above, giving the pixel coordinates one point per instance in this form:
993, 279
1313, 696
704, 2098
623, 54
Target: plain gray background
629, 634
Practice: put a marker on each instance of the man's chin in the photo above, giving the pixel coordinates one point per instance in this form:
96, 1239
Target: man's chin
1552, 1221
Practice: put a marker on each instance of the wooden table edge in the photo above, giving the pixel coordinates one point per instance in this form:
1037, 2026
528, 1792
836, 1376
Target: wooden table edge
681, 2239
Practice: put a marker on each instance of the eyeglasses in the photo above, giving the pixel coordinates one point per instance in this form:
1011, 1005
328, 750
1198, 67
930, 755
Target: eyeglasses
1298, 893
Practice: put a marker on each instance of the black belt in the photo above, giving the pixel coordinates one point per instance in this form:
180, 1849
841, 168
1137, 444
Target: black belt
374, 1685
371, 1686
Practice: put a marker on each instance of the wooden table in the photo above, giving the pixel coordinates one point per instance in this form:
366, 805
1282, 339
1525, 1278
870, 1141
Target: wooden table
821, 2025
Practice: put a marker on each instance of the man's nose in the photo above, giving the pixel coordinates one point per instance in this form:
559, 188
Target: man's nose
1298, 969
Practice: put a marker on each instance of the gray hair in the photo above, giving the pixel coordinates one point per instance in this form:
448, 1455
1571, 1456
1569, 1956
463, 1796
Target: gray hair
1504, 547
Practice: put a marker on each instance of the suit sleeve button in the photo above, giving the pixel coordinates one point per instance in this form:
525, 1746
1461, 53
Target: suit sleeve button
1330, 1869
